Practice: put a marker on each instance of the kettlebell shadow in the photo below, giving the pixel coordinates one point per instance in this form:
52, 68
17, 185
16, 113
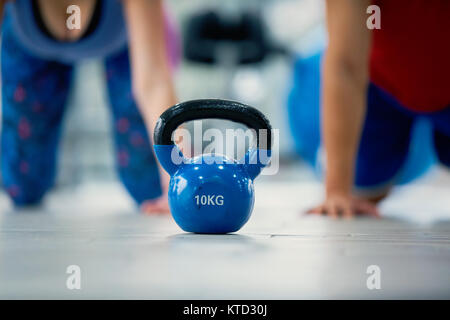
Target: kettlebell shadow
216, 242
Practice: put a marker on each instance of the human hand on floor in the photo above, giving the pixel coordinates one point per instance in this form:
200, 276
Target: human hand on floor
345, 206
159, 205
156, 206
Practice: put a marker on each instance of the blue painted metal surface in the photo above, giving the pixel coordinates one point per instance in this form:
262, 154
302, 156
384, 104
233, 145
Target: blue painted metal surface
211, 193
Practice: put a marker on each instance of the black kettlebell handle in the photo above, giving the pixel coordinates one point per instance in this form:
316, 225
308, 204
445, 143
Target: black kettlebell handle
234, 111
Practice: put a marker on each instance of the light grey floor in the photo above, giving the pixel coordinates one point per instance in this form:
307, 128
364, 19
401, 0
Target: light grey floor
279, 254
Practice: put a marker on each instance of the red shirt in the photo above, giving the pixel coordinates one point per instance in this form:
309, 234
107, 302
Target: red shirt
410, 55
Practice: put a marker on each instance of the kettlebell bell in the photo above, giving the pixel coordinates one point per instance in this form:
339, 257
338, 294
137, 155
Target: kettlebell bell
211, 193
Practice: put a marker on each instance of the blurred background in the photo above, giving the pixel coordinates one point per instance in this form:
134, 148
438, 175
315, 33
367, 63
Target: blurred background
265, 53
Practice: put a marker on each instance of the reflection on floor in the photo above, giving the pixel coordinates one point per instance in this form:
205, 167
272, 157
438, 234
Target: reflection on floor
279, 254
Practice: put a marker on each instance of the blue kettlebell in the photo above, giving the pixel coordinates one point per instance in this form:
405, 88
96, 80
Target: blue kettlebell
211, 193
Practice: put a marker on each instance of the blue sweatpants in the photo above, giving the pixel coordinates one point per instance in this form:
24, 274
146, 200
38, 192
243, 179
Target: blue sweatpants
34, 96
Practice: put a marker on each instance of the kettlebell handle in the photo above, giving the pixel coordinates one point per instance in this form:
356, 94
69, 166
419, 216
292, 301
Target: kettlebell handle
234, 111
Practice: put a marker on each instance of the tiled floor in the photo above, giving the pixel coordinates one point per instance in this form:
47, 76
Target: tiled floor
278, 254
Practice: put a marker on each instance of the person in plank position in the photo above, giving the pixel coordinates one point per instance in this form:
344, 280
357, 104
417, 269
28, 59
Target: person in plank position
376, 83
138, 47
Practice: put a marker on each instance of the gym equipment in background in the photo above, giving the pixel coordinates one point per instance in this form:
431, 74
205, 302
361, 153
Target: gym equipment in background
303, 109
211, 193
231, 42
207, 34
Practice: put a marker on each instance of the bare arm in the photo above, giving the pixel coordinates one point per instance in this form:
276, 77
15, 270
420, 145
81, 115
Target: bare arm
151, 75
344, 89
345, 81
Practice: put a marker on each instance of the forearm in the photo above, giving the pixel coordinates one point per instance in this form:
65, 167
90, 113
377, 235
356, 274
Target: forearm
154, 101
345, 79
344, 106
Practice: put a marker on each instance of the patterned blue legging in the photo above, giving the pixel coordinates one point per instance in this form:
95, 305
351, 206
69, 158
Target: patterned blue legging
34, 94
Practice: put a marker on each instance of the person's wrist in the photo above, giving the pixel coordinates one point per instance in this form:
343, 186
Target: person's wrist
338, 181
338, 189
